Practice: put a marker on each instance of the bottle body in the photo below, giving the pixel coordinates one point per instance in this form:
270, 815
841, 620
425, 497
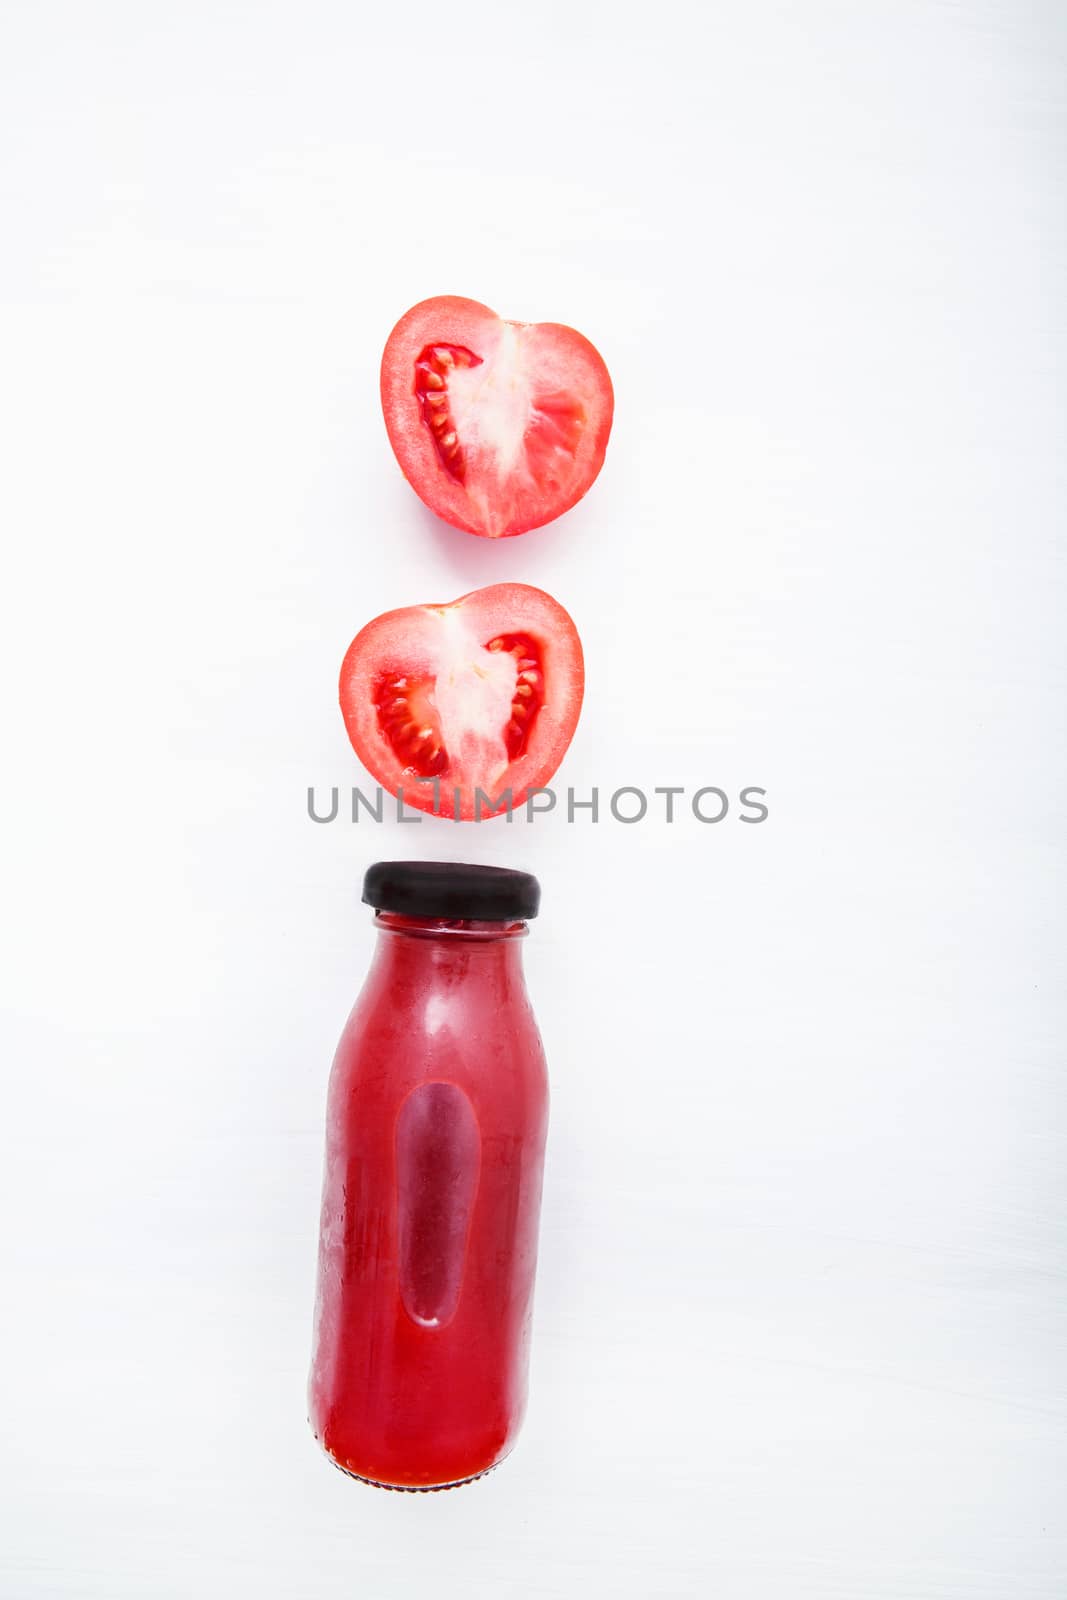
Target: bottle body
436, 1122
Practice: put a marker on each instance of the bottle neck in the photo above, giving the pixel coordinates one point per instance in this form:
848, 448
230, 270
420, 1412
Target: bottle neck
414, 948
463, 931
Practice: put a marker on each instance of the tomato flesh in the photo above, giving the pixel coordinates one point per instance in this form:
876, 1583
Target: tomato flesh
498, 426
482, 694
529, 690
431, 387
408, 719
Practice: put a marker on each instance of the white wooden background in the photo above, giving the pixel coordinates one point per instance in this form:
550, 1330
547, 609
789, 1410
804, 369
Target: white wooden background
801, 1318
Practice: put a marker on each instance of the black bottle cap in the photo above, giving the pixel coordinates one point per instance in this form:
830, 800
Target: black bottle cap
452, 889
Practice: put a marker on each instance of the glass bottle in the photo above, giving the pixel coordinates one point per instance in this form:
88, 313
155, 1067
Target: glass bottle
436, 1120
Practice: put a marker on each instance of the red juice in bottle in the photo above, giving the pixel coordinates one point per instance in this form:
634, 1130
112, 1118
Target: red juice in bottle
436, 1119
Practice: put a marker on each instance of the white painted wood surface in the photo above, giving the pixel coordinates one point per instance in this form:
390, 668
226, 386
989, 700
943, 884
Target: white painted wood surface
800, 1322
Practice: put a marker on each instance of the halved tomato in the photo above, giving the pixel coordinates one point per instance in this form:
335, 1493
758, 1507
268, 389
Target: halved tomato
498, 426
481, 694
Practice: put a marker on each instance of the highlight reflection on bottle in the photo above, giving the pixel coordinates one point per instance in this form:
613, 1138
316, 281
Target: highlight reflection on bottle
436, 1123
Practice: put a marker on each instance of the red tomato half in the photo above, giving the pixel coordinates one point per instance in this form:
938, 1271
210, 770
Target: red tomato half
499, 426
483, 693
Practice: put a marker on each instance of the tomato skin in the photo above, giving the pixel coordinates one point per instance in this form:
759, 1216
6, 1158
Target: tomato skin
481, 693
533, 428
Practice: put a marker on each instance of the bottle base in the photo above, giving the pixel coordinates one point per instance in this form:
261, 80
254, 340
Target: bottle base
407, 1488
413, 1488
